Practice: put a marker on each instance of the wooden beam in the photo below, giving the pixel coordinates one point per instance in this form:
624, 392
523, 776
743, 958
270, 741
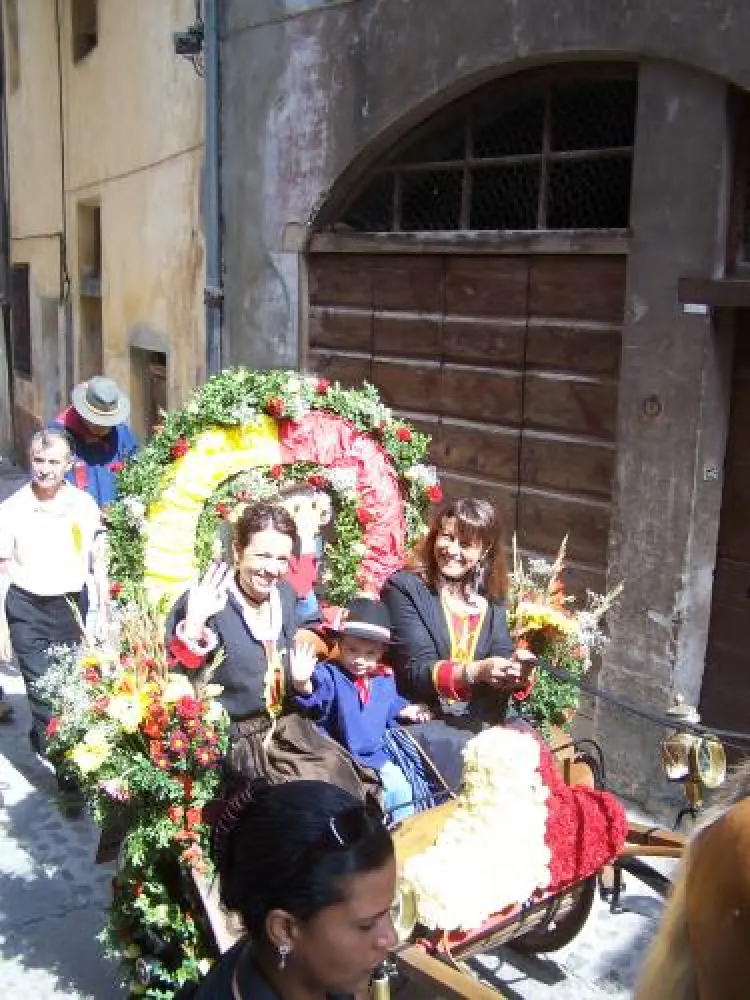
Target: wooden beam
446, 980
726, 293
593, 241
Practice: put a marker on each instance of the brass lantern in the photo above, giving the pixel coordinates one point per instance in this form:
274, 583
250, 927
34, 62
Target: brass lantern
696, 761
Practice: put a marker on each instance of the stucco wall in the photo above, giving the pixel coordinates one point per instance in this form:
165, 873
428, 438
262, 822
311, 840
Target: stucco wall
133, 142
313, 92
35, 198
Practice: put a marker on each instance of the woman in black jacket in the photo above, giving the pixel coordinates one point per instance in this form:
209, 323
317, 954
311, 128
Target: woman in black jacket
244, 619
452, 648
312, 873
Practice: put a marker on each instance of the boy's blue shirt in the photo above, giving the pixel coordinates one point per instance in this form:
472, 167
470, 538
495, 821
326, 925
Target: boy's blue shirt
336, 706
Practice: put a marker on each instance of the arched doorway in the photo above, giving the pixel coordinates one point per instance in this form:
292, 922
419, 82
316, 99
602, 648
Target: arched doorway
477, 277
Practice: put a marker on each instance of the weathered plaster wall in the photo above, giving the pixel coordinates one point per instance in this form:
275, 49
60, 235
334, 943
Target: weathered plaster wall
313, 92
665, 515
36, 203
133, 143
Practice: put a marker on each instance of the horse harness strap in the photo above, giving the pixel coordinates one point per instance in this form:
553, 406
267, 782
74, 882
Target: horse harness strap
665, 721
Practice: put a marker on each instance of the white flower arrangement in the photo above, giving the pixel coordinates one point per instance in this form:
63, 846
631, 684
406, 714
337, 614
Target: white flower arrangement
246, 413
491, 852
135, 511
423, 475
343, 480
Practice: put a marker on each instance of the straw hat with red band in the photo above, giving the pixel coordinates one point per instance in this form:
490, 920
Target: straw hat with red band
101, 402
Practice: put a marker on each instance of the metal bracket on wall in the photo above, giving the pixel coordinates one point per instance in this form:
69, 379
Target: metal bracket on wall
213, 296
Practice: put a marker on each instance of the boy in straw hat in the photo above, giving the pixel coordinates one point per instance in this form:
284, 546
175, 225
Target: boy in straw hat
353, 697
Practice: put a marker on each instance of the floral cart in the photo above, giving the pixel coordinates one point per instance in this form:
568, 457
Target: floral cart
145, 743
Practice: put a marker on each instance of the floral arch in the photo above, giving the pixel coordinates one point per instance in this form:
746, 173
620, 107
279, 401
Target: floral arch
244, 436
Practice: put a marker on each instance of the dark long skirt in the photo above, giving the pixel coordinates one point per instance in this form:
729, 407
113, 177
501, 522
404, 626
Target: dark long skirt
35, 623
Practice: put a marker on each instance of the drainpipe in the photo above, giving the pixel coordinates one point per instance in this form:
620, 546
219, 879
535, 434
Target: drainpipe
213, 293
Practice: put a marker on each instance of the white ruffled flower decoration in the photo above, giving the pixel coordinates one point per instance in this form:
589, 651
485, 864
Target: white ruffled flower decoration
343, 480
135, 511
424, 475
491, 852
245, 413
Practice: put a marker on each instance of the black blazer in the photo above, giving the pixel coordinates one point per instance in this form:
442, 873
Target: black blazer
420, 638
243, 669
251, 982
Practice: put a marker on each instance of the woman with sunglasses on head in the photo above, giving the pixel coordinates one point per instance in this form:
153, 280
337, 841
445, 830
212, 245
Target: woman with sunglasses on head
312, 874
451, 647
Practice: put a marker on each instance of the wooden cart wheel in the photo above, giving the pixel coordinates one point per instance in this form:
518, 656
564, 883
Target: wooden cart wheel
553, 934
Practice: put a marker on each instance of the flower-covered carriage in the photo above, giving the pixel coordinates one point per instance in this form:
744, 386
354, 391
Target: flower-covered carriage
145, 743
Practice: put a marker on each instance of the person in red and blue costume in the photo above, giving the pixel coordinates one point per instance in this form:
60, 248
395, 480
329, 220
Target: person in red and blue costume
102, 441
353, 698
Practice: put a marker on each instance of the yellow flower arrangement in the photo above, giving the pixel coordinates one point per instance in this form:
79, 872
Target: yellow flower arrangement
92, 751
128, 710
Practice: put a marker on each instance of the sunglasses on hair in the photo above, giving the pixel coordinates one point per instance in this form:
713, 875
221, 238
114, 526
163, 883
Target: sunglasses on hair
347, 828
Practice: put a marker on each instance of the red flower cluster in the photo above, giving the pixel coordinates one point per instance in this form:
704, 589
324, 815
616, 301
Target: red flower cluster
276, 471
53, 727
323, 386
223, 510
180, 447
91, 675
156, 721
316, 481
115, 588
434, 493
116, 466
275, 407
403, 434
364, 516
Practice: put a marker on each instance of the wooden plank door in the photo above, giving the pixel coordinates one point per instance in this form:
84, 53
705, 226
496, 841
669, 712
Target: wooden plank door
725, 695
510, 363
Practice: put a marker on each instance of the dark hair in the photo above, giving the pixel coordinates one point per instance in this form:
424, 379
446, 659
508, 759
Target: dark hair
265, 845
476, 521
262, 517
46, 436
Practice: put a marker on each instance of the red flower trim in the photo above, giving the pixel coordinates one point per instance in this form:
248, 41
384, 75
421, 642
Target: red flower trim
586, 828
181, 653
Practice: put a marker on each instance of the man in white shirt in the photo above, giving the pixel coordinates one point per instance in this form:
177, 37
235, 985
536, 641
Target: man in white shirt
51, 536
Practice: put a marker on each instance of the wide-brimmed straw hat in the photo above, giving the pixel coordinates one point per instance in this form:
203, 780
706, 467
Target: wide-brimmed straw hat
101, 402
364, 619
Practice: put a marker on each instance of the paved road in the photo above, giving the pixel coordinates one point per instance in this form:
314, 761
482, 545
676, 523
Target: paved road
53, 899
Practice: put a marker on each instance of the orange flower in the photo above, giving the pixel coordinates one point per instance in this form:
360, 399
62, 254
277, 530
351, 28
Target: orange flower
193, 817
175, 813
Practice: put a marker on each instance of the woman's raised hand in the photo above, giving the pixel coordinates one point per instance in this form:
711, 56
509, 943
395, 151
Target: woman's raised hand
301, 666
206, 598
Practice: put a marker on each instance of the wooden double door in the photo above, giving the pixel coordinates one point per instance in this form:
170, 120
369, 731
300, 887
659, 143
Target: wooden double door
510, 363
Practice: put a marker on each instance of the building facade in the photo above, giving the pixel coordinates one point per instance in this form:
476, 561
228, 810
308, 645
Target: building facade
104, 135
528, 225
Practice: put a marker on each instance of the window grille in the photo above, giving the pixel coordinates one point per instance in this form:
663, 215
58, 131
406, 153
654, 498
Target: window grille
554, 155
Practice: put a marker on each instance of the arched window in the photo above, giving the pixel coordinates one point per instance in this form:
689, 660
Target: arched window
536, 152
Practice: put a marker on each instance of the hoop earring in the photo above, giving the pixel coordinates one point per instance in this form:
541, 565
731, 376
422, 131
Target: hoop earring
284, 951
477, 577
